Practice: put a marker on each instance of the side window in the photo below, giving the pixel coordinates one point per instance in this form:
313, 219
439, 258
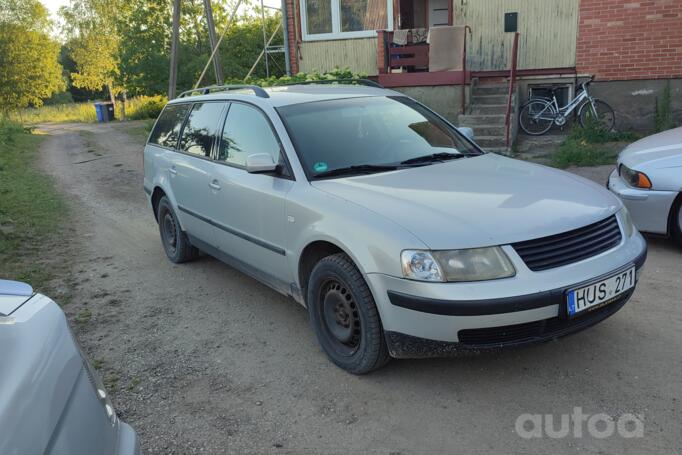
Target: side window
168, 125
246, 132
201, 128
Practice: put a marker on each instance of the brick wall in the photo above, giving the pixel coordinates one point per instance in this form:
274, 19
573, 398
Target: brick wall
623, 40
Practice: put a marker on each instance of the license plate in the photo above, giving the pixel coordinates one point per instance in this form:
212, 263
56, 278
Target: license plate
599, 293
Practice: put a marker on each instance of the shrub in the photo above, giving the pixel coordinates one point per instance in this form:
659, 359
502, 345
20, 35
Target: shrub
144, 107
663, 117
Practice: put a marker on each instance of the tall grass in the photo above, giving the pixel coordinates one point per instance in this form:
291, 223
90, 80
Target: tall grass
136, 108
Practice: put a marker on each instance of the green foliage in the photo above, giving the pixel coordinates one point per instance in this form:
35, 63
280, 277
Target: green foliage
29, 67
663, 117
336, 73
30, 208
10, 131
93, 42
59, 98
145, 107
591, 146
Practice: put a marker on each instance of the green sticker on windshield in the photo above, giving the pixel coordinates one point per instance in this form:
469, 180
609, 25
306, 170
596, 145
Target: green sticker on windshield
320, 166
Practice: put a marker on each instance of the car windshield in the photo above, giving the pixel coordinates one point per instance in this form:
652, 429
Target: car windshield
370, 134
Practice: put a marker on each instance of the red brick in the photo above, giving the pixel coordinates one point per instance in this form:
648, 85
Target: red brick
629, 40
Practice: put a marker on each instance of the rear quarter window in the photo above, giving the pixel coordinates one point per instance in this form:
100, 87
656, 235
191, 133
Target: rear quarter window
167, 129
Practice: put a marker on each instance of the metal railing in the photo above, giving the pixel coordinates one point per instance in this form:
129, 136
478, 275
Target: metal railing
512, 80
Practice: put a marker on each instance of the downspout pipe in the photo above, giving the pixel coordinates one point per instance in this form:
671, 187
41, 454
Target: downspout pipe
285, 27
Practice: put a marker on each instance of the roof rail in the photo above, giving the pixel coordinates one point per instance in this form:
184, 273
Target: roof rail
366, 82
225, 88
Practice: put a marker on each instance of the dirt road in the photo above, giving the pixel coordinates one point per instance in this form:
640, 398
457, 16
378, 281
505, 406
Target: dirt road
202, 359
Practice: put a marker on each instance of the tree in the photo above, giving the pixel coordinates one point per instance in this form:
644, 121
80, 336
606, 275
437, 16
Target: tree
94, 42
29, 59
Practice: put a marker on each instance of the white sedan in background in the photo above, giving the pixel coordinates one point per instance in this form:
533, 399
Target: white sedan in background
648, 179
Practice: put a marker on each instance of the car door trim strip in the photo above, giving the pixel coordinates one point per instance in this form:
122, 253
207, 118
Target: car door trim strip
247, 237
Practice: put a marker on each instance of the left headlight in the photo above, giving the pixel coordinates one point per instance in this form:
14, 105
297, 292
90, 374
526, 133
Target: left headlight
475, 264
634, 178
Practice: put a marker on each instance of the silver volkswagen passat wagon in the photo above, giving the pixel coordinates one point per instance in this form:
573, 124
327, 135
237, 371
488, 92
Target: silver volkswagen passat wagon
400, 236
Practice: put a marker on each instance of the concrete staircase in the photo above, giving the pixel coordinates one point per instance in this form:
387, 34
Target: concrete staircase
486, 114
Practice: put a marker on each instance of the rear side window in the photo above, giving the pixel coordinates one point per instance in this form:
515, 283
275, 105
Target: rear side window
168, 126
201, 128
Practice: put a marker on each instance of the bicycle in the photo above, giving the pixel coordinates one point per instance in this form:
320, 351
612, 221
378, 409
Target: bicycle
539, 114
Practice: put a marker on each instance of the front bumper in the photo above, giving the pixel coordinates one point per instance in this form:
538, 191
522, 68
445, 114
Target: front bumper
649, 208
128, 443
423, 319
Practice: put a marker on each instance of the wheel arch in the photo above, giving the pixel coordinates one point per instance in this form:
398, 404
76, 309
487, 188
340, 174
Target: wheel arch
311, 254
157, 194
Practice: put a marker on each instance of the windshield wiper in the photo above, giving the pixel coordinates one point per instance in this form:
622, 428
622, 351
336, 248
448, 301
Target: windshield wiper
442, 156
357, 169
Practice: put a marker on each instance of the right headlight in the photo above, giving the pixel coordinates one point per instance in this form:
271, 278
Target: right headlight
474, 264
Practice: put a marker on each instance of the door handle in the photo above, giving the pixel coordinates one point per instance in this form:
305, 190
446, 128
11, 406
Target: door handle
173, 171
214, 185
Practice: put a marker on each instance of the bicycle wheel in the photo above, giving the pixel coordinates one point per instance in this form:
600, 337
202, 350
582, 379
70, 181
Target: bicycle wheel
537, 117
599, 112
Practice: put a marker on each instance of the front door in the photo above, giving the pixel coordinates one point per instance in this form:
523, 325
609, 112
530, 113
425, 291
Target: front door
250, 209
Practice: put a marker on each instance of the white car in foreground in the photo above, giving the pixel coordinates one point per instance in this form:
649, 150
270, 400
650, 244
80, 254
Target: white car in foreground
648, 179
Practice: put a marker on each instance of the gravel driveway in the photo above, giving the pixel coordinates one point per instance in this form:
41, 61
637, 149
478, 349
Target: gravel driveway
202, 359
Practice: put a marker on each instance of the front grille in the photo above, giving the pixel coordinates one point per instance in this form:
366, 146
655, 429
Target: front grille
569, 247
529, 332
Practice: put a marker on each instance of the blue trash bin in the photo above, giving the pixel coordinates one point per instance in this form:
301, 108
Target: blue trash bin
98, 111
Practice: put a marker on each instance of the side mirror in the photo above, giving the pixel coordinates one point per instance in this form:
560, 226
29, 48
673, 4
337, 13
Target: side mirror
467, 132
259, 163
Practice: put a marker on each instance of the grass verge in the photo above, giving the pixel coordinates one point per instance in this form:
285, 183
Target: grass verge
591, 146
31, 210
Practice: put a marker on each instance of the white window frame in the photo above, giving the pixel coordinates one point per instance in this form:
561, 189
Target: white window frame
336, 33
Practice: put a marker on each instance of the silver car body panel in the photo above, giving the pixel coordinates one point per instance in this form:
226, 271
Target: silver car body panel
47, 404
660, 157
474, 202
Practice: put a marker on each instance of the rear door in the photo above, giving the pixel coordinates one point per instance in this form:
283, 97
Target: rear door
190, 171
250, 209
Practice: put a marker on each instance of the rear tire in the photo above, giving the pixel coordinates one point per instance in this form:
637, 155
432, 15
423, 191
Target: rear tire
537, 117
344, 316
173, 238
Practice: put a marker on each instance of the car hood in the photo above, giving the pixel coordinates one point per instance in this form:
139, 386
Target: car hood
40, 365
658, 151
479, 201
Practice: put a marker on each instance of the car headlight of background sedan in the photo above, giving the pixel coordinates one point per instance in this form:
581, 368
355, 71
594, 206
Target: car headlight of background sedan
475, 264
634, 178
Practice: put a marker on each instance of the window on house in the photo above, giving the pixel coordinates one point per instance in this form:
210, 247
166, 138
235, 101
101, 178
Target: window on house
329, 19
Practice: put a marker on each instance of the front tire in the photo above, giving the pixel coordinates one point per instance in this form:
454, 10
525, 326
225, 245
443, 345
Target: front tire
174, 240
605, 116
344, 316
